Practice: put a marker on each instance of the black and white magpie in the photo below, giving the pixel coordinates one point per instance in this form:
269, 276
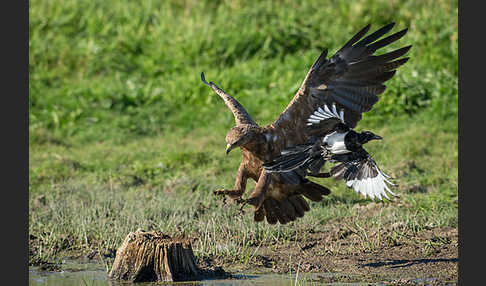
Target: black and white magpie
338, 144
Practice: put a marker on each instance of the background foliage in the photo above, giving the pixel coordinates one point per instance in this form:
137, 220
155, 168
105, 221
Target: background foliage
99, 69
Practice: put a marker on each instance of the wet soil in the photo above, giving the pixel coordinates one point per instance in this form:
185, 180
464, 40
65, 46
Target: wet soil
394, 255
403, 264
425, 257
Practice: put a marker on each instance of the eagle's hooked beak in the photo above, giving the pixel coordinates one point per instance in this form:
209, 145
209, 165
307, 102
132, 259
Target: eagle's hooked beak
229, 147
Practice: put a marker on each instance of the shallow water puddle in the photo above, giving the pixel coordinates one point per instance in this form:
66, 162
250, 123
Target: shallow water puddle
99, 278
91, 274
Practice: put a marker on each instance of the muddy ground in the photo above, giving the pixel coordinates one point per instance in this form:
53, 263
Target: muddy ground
397, 263
396, 255
401, 257
401, 262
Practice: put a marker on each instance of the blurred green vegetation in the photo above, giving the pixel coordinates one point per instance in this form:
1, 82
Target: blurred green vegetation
123, 134
100, 70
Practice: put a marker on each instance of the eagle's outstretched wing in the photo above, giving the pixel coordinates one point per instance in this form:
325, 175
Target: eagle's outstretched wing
352, 79
364, 176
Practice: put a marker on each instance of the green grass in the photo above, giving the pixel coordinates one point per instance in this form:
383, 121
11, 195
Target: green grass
123, 134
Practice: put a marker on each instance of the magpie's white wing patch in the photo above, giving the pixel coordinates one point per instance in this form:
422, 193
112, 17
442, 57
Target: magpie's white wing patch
324, 114
365, 177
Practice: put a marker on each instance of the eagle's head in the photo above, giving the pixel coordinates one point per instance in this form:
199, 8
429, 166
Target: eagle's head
367, 136
240, 135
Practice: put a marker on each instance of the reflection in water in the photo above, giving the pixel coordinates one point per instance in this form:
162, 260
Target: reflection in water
100, 278
90, 274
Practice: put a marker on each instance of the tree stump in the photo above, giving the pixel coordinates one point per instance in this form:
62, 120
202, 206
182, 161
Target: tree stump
153, 256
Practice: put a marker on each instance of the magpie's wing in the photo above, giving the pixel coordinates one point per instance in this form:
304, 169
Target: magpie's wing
290, 159
299, 157
351, 79
365, 177
325, 120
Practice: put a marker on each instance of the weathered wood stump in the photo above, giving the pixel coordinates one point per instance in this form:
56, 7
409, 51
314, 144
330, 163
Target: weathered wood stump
153, 256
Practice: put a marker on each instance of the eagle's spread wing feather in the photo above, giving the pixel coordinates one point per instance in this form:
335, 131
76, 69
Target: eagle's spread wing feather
365, 177
352, 79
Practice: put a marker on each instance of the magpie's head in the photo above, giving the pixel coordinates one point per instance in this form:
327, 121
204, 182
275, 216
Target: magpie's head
367, 136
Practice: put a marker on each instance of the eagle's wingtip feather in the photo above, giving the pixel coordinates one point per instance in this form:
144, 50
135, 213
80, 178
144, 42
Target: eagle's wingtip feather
203, 79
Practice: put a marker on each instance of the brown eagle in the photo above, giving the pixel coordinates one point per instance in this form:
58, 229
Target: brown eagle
351, 80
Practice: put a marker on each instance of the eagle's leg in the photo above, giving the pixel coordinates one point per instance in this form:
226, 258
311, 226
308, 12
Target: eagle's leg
257, 197
240, 186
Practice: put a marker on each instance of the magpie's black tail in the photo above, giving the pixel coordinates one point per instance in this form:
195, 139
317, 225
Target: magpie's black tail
299, 156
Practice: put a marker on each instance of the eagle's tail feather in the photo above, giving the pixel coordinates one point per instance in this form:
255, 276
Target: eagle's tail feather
300, 205
287, 210
314, 191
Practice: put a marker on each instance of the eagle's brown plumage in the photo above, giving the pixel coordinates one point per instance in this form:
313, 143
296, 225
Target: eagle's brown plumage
352, 78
